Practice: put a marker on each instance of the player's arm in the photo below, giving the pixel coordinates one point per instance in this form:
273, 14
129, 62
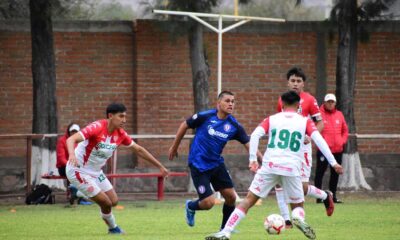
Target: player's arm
317, 119
173, 150
146, 155
254, 153
71, 142
252, 166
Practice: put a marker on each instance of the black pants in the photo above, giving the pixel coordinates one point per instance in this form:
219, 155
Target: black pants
320, 171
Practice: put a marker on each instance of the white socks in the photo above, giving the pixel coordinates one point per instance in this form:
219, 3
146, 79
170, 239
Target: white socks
298, 213
316, 192
283, 207
109, 219
236, 216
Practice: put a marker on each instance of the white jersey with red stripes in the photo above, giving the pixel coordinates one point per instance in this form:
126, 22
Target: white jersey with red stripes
308, 107
98, 146
286, 131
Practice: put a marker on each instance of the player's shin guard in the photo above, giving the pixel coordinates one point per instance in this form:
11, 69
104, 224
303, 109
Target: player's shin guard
283, 207
226, 212
316, 193
234, 220
109, 219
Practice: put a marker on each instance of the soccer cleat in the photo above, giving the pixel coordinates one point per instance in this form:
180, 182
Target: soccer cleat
329, 205
288, 224
221, 235
83, 201
335, 200
189, 214
304, 228
116, 230
73, 196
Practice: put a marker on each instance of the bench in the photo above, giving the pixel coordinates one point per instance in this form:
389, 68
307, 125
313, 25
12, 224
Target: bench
160, 179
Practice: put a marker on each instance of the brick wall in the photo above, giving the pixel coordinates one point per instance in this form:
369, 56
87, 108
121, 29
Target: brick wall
149, 70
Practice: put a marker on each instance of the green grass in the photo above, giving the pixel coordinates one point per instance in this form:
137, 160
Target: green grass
358, 218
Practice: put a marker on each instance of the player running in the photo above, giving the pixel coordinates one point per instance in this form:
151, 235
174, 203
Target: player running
97, 142
281, 164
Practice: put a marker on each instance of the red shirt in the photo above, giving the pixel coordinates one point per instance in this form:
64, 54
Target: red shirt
62, 151
308, 106
335, 130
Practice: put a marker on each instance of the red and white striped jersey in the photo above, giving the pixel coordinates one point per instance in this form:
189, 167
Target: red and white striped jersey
98, 146
286, 131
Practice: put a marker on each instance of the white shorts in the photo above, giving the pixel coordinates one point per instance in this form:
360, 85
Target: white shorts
306, 164
292, 186
88, 184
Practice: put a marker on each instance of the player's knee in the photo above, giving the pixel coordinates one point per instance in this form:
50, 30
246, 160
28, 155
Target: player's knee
114, 202
230, 199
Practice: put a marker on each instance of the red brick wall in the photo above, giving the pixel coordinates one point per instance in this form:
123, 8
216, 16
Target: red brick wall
150, 72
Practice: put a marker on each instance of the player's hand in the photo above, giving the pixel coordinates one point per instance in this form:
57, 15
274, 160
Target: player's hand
172, 153
307, 139
164, 172
73, 161
338, 168
253, 166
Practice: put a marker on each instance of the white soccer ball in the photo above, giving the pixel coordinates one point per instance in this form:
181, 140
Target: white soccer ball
274, 224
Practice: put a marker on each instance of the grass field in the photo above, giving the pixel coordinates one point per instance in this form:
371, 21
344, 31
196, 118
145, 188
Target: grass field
358, 218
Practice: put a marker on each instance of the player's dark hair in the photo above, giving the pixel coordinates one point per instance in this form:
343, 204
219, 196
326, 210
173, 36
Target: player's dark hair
114, 108
290, 98
223, 93
298, 72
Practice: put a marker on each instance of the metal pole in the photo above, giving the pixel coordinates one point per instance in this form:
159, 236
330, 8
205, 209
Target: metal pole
196, 16
219, 55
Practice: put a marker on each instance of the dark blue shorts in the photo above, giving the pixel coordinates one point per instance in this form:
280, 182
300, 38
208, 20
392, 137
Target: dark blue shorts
218, 177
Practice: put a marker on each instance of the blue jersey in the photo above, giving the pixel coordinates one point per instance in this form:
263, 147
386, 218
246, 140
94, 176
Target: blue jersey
211, 136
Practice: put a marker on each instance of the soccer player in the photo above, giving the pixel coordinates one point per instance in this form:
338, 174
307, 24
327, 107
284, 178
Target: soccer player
308, 108
97, 142
214, 128
281, 164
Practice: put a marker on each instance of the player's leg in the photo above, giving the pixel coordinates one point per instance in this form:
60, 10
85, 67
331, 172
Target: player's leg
283, 206
206, 200
312, 191
334, 178
260, 187
112, 201
293, 190
222, 182
322, 165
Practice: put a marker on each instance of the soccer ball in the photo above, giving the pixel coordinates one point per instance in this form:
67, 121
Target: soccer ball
274, 224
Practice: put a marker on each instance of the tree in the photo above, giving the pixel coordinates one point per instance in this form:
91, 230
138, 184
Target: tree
347, 14
44, 86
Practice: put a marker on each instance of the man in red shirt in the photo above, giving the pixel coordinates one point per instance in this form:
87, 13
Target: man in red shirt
335, 133
309, 108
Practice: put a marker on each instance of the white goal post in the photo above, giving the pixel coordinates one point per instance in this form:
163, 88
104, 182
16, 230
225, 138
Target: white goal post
220, 30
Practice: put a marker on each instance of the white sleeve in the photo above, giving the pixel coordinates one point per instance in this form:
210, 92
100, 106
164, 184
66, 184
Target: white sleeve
323, 147
254, 141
